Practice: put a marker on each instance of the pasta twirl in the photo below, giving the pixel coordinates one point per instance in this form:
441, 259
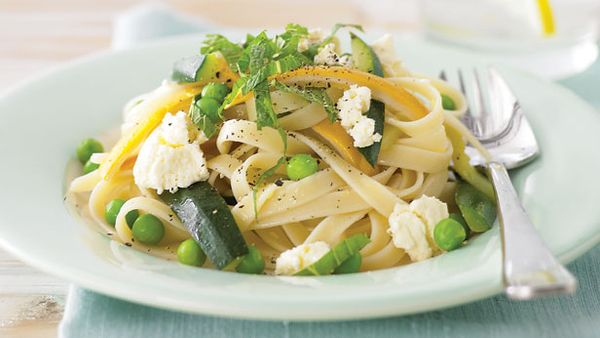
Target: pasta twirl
251, 135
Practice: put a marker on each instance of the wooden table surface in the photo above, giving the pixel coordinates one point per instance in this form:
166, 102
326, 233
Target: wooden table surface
36, 35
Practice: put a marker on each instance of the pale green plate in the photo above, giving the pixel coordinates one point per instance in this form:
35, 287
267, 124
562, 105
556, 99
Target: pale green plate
42, 120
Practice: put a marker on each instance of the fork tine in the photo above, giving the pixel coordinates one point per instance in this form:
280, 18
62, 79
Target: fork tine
467, 119
477, 93
508, 105
500, 86
443, 75
461, 82
479, 103
497, 98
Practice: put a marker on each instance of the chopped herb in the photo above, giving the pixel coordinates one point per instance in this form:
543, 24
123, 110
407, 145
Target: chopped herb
256, 54
218, 43
255, 60
317, 95
285, 64
291, 37
264, 176
249, 38
265, 115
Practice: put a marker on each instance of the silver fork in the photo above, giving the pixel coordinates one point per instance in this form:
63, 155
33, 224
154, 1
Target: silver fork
497, 120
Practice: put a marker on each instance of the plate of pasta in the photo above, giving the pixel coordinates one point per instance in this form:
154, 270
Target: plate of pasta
302, 174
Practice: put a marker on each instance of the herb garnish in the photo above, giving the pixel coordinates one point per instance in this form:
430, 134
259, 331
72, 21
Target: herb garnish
255, 60
218, 43
317, 95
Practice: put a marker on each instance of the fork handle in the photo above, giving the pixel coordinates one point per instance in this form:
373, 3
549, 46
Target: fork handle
529, 268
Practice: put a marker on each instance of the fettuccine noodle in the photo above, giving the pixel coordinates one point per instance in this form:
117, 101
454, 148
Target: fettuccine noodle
337, 201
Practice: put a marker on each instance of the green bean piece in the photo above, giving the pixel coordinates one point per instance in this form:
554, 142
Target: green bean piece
477, 209
350, 265
458, 217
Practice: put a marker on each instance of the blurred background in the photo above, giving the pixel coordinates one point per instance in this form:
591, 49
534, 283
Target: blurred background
37, 34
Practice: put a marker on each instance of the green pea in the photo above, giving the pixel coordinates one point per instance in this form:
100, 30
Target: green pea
112, 210
350, 265
208, 105
148, 229
252, 263
216, 91
190, 253
449, 234
90, 166
301, 166
448, 103
88, 147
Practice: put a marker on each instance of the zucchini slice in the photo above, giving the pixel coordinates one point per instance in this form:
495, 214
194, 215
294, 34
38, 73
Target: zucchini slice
365, 59
377, 113
208, 219
477, 209
201, 68
363, 56
336, 256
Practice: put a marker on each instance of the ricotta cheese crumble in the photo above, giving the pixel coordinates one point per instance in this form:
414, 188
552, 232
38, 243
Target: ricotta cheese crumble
411, 226
171, 157
354, 102
300, 257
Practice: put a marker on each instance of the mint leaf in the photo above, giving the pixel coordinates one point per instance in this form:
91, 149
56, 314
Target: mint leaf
265, 115
260, 55
286, 64
258, 58
249, 38
263, 177
257, 53
218, 43
288, 40
255, 79
292, 29
317, 95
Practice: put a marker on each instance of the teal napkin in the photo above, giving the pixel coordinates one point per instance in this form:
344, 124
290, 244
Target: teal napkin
89, 314
586, 84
